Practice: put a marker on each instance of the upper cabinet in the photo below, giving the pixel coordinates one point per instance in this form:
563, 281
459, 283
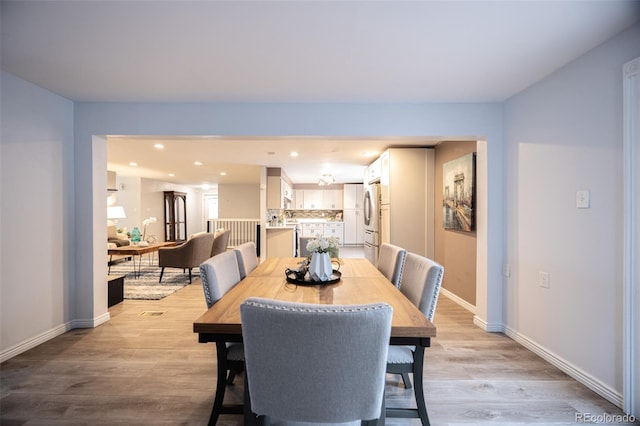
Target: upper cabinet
286, 191
313, 199
332, 199
318, 199
353, 196
298, 199
373, 171
279, 193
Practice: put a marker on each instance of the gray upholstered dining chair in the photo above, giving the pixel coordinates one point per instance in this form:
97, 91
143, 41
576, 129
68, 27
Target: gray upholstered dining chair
315, 363
219, 274
421, 282
391, 261
247, 258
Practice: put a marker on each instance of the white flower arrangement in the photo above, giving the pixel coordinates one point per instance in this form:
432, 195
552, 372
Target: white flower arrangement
324, 245
146, 222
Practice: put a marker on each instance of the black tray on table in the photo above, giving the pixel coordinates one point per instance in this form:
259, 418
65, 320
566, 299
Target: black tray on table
293, 279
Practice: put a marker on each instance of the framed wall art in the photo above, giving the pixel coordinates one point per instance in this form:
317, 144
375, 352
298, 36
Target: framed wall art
458, 193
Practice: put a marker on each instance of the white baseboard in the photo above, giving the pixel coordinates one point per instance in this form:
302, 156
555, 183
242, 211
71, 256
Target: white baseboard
50, 334
488, 327
458, 300
91, 323
589, 381
34, 341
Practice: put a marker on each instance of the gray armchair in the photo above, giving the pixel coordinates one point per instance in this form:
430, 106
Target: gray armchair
220, 242
186, 256
315, 363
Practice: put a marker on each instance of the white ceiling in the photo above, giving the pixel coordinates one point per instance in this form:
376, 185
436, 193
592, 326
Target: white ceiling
297, 51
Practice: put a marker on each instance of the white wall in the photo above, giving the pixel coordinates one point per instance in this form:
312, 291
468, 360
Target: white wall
128, 196
37, 283
239, 201
563, 135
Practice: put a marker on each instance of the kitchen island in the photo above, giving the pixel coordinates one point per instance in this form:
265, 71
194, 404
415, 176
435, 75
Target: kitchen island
281, 240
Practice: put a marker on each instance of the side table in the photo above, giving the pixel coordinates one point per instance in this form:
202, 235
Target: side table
115, 290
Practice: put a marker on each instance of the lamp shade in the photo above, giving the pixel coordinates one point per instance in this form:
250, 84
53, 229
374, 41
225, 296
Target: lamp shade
115, 212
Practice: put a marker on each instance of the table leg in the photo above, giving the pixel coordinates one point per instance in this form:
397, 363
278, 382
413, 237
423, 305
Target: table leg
418, 363
136, 271
221, 351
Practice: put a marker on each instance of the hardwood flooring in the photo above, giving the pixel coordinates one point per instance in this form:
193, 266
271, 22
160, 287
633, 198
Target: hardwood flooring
151, 370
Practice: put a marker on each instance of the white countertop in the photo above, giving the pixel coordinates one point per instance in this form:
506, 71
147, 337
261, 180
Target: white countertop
282, 226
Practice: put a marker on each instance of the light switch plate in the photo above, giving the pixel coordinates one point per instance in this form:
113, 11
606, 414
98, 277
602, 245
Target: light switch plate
582, 199
543, 279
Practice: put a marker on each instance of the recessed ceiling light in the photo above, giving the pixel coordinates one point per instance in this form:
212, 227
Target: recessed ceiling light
197, 163
133, 164
223, 173
172, 174
294, 154
158, 146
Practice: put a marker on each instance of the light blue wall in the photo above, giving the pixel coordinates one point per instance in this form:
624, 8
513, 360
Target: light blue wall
37, 294
562, 135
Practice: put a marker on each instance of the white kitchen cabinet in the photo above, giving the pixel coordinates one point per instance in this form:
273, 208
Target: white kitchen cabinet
313, 199
373, 172
353, 196
353, 227
335, 230
287, 192
312, 229
298, 201
278, 193
353, 214
332, 199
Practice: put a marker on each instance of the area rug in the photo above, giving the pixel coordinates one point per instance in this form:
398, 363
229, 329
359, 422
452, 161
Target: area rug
146, 285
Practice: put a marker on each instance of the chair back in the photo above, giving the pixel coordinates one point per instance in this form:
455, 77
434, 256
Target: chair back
421, 282
391, 261
196, 250
327, 362
219, 274
220, 242
247, 258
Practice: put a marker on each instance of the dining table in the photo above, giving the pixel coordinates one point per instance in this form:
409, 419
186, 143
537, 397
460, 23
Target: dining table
358, 282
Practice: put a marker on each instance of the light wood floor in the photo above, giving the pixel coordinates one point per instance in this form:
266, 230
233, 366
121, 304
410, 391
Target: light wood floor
150, 370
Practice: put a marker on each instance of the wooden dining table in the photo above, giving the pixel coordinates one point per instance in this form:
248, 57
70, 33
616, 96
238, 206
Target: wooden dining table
360, 283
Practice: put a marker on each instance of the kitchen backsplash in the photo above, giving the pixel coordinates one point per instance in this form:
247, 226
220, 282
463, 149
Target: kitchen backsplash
304, 214
314, 214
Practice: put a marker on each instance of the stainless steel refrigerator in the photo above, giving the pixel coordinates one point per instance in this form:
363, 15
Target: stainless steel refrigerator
371, 215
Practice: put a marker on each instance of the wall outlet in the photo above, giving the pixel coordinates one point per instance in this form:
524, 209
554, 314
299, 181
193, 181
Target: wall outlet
543, 279
506, 270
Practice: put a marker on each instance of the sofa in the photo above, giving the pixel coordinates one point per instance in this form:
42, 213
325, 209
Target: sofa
119, 239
